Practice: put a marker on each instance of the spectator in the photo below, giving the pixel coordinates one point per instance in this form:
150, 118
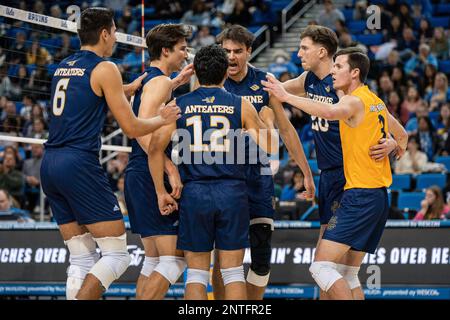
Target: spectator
11, 179
425, 32
198, 15
203, 38
440, 93
168, 9
28, 102
394, 30
17, 54
443, 124
427, 82
56, 12
2, 57
293, 191
407, 45
433, 206
38, 131
413, 161
394, 105
360, 10
281, 64
132, 62
8, 208
240, 14
386, 86
340, 27
329, 15
392, 7
346, 40
439, 44
19, 83
65, 49
412, 124
31, 171
116, 167
263, 14
414, 67
411, 102
39, 83
398, 79
429, 141
405, 15
392, 61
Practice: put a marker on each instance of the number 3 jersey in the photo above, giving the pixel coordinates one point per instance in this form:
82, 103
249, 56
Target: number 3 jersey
325, 132
78, 114
361, 171
209, 133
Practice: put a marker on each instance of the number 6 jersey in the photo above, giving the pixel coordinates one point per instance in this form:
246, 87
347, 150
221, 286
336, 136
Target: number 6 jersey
325, 132
78, 114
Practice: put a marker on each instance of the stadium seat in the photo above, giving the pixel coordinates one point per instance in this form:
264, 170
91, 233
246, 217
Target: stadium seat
444, 160
426, 180
444, 66
439, 22
401, 182
442, 9
348, 14
314, 167
279, 5
410, 200
370, 39
357, 26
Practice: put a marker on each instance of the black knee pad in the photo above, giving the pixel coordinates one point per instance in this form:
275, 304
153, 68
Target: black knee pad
260, 247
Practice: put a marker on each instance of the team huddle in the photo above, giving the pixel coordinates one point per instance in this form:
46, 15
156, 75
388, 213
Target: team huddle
198, 180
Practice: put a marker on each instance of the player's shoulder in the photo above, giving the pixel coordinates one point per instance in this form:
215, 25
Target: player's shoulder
258, 73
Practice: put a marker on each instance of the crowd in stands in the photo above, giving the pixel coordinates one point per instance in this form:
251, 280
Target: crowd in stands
410, 57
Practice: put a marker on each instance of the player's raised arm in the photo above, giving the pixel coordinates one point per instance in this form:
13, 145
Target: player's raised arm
260, 127
345, 109
117, 102
293, 144
296, 86
160, 140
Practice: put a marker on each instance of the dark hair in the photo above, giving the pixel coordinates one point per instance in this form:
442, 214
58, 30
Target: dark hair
237, 33
323, 36
165, 36
92, 23
211, 64
435, 209
357, 59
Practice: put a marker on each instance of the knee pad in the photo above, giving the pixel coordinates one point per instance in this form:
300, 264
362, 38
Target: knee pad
149, 265
83, 256
350, 274
171, 267
197, 276
260, 234
325, 274
235, 274
115, 259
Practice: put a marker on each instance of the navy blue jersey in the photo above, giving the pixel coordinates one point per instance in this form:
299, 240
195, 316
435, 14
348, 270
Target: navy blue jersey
211, 121
78, 114
252, 90
326, 132
138, 157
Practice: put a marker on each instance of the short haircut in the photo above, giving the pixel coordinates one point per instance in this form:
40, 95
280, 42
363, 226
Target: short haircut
357, 59
237, 34
211, 65
323, 36
165, 36
92, 22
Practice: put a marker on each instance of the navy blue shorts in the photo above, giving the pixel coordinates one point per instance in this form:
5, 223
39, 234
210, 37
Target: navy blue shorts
142, 204
77, 187
359, 221
213, 214
331, 189
261, 193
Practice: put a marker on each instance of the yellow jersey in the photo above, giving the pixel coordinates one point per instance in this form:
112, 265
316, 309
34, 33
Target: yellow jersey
360, 170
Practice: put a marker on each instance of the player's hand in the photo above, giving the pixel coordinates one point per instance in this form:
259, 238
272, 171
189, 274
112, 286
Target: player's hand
267, 115
175, 183
381, 150
184, 76
310, 191
275, 88
399, 152
135, 85
170, 112
166, 204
